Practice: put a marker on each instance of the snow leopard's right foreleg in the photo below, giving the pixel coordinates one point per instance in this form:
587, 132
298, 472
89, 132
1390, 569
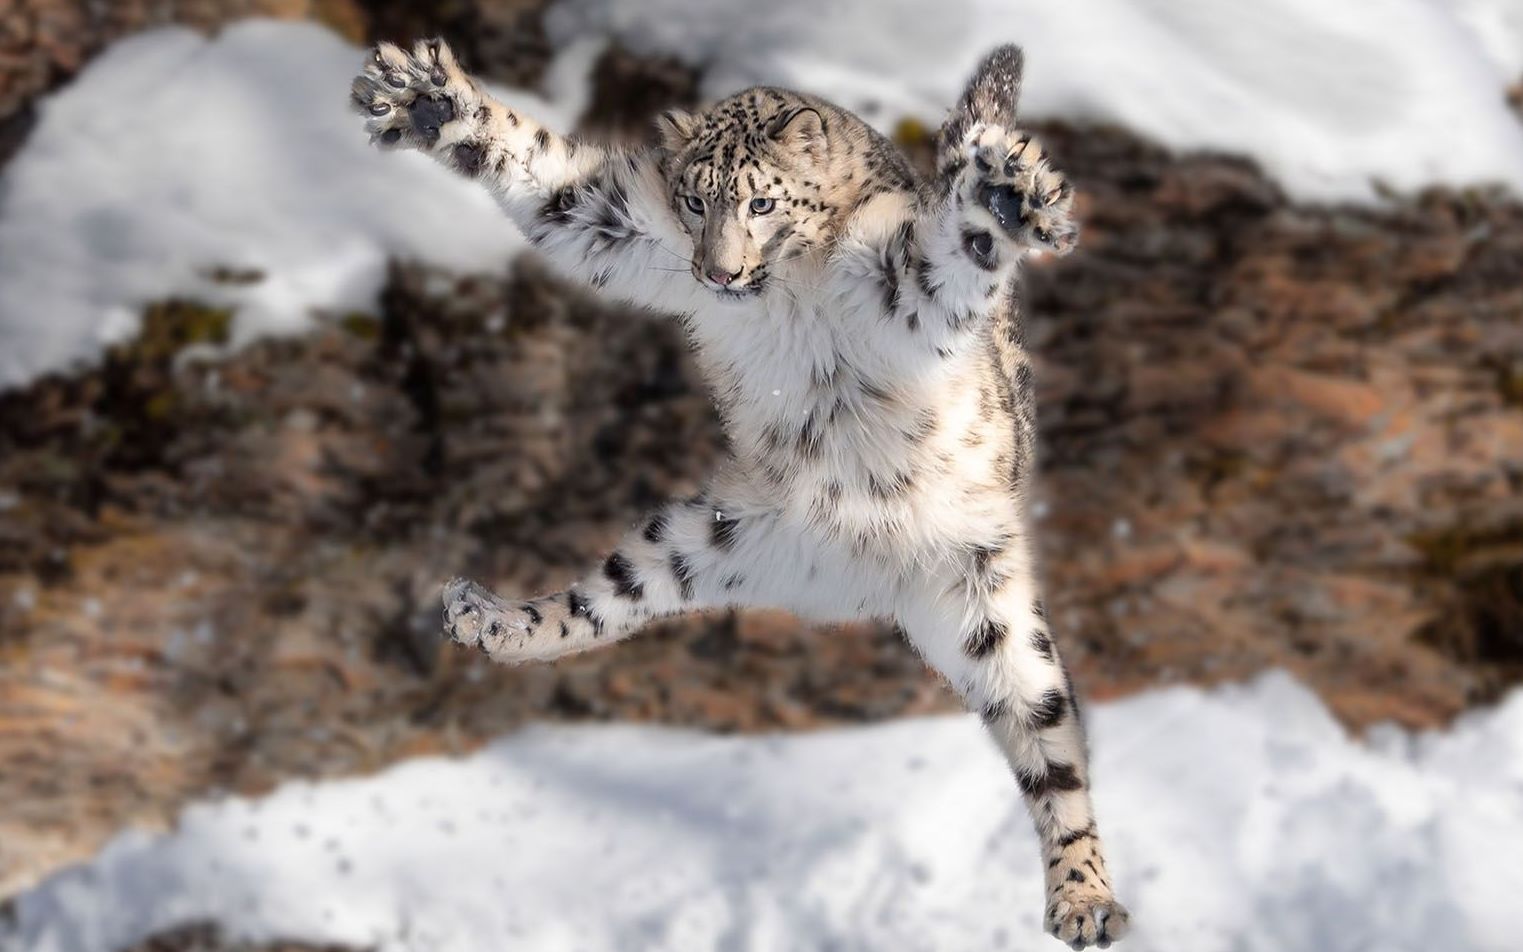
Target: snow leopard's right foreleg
598, 214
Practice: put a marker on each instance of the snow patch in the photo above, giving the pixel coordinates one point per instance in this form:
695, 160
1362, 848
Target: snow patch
173, 155
1498, 25
1330, 97
1242, 818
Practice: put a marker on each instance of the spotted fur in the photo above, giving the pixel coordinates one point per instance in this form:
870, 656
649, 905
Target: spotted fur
861, 334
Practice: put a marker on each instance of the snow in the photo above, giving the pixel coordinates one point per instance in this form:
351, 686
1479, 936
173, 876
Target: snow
1330, 97
174, 155
1498, 24
1242, 818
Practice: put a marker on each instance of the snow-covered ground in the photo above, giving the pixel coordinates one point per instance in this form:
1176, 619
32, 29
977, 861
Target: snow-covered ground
1330, 96
1240, 819
174, 155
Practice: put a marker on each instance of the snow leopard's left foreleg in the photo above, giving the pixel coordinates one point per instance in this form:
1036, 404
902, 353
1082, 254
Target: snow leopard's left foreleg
1005, 201
599, 215
932, 269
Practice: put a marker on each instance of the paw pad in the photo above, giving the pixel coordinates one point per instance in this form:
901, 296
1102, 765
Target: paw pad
429, 115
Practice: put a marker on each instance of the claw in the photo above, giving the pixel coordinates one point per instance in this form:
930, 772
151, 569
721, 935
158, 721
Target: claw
364, 89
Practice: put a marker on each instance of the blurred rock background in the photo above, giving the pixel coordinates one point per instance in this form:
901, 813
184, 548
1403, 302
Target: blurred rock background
1274, 435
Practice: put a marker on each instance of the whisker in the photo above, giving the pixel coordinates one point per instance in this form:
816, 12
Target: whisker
796, 283
660, 244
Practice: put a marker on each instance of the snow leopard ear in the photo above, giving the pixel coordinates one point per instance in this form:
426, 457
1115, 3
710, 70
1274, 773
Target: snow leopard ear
801, 130
675, 129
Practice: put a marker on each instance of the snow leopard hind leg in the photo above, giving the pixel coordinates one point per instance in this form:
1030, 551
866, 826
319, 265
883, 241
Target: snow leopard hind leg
984, 627
728, 546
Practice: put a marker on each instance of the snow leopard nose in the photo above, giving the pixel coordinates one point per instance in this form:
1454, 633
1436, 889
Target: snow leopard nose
723, 278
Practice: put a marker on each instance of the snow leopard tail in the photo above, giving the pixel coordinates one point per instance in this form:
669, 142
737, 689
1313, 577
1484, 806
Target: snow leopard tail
992, 96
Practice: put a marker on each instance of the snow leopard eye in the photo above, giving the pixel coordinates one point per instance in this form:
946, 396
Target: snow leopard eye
761, 206
694, 204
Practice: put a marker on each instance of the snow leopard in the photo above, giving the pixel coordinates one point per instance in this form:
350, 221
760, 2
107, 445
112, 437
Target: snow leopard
859, 329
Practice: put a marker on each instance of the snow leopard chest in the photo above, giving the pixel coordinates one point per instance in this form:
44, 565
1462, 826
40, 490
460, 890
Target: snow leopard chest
922, 460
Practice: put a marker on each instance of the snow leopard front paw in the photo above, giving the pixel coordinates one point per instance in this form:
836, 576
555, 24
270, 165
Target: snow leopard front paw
1010, 178
421, 100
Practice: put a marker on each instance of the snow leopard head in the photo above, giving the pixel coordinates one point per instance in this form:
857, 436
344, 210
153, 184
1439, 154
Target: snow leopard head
756, 181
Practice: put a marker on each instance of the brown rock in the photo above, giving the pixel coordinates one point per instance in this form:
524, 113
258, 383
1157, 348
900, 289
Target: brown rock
1272, 436
1341, 400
